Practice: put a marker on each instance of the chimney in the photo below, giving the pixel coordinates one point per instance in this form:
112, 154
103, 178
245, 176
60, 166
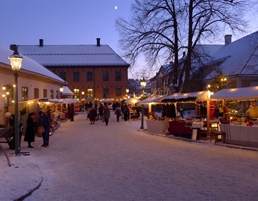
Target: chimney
41, 42
14, 47
98, 41
228, 39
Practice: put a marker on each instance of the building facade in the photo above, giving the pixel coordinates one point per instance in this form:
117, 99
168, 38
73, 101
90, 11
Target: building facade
34, 82
92, 72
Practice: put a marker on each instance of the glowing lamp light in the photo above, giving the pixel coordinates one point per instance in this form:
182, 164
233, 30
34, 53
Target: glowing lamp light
15, 61
143, 83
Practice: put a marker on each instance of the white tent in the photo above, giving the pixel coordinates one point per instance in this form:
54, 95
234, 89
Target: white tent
244, 93
153, 99
67, 91
197, 96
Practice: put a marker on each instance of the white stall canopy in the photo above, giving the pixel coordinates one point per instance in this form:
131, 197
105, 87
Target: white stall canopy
191, 96
245, 93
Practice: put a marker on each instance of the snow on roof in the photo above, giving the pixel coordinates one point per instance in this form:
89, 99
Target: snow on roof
237, 93
242, 56
76, 55
28, 65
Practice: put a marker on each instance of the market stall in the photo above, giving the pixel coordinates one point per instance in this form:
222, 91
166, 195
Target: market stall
240, 130
155, 122
184, 127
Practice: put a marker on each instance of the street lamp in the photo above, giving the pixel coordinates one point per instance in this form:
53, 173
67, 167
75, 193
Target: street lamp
16, 61
83, 100
143, 85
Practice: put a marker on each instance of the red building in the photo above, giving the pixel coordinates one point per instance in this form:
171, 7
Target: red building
91, 71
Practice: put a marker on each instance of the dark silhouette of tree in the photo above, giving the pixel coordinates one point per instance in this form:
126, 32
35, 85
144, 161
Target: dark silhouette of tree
162, 30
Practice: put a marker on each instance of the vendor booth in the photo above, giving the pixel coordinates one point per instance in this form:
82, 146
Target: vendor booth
193, 124
155, 122
240, 130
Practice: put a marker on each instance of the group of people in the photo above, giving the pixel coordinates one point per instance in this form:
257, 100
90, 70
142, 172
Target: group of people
102, 112
32, 125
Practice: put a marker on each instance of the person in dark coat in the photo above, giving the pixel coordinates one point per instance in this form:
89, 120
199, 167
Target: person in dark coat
118, 113
92, 115
106, 113
30, 132
45, 122
72, 112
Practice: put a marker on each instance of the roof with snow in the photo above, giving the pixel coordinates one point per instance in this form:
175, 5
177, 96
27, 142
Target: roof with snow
239, 57
73, 55
28, 65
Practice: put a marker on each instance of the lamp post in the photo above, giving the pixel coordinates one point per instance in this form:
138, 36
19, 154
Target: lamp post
16, 61
83, 101
143, 85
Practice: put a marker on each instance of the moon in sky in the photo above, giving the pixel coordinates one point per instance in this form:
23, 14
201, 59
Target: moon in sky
116, 7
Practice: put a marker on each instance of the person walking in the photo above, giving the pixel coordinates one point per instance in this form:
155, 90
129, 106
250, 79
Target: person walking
126, 112
117, 113
45, 122
30, 130
106, 113
100, 111
72, 112
92, 115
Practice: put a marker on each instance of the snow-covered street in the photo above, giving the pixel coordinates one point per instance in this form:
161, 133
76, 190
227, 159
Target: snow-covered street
118, 162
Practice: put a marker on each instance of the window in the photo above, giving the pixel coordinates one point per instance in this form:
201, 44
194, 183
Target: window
105, 76
57, 94
118, 93
105, 93
76, 76
89, 76
89, 93
36, 93
44, 93
7, 94
63, 75
76, 93
118, 76
52, 94
24, 93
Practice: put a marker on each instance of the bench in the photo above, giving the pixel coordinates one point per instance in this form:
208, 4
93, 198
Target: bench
7, 134
216, 134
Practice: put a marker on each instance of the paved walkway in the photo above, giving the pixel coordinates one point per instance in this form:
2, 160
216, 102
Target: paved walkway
119, 162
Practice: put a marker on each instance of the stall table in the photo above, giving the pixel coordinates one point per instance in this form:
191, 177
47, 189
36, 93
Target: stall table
240, 134
156, 126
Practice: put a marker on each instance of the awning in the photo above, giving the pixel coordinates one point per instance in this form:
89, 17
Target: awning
67, 91
244, 93
153, 99
187, 97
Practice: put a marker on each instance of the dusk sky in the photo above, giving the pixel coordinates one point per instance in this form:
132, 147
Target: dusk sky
62, 22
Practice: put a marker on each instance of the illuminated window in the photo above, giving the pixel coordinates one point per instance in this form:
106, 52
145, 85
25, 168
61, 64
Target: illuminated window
76, 93
24, 93
89, 93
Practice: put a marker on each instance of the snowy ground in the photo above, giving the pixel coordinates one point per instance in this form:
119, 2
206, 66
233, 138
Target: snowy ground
119, 162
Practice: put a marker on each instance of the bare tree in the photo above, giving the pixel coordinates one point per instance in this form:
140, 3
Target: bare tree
162, 30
